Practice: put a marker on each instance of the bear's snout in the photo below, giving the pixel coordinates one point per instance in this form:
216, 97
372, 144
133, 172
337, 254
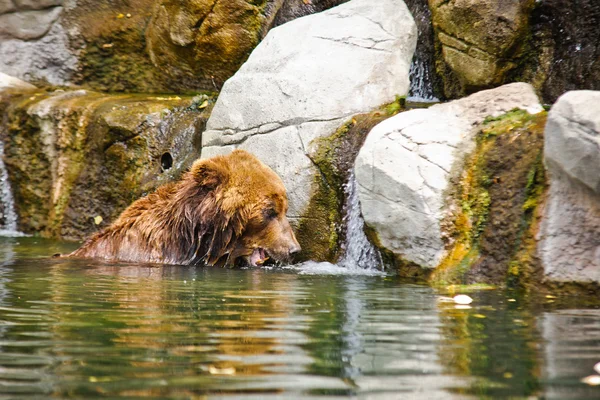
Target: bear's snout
293, 247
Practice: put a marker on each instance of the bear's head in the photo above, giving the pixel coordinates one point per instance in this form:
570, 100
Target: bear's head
243, 211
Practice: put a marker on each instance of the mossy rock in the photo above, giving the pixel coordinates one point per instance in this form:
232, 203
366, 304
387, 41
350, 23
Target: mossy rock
321, 231
75, 156
478, 43
498, 197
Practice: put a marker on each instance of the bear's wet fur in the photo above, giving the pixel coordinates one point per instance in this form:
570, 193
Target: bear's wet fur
224, 210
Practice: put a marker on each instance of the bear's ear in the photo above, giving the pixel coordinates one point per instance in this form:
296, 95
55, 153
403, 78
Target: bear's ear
209, 173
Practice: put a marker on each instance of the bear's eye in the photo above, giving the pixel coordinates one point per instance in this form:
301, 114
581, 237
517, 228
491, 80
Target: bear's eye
269, 213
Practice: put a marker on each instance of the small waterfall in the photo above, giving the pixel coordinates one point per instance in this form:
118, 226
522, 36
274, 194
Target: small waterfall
8, 216
422, 75
358, 252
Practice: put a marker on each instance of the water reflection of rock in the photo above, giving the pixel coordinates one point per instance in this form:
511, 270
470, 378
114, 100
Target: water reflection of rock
494, 346
395, 352
570, 352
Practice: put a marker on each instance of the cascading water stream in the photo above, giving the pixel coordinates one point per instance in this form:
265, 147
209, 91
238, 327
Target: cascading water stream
358, 252
359, 256
8, 216
422, 75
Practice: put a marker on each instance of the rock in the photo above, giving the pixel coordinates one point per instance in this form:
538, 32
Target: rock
205, 39
137, 45
37, 4
204, 42
565, 47
570, 233
404, 168
480, 41
35, 47
6, 6
292, 9
28, 25
9, 82
78, 155
305, 79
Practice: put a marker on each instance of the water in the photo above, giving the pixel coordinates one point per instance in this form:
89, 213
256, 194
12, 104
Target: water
8, 216
80, 329
358, 252
422, 70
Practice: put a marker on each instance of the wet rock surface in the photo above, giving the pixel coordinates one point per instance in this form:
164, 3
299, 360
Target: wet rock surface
89, 155
204, 42
570, 233
479, 42
305, 80
406, 164
565, 47
137, 45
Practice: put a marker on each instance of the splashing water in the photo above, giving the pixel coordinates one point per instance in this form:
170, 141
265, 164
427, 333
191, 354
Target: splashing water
359, 253
359, 256
8, 216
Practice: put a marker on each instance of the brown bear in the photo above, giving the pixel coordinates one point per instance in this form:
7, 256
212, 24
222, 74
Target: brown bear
224, 210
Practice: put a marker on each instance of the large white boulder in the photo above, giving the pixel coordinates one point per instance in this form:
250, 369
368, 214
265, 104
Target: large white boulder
405, 166
570, 232
305, 79
10, 82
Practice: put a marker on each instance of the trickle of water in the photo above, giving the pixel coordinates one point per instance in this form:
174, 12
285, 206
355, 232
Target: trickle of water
8, 216
358, 252
422, 67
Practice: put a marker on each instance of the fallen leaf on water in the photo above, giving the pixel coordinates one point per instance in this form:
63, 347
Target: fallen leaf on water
107, 45
479, 316
119, 16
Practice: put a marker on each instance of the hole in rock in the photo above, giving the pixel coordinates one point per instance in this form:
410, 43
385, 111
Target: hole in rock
166, 161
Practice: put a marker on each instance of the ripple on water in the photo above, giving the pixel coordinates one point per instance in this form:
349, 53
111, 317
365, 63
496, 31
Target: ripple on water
72, 329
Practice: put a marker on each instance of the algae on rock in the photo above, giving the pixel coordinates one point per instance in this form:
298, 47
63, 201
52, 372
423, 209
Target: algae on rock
478, 42
75, 156
321, 232
495, 205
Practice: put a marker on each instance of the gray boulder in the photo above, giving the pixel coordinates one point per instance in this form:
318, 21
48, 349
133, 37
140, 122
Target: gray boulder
407, 161
570, 232
28, 24
34, 43
305, 79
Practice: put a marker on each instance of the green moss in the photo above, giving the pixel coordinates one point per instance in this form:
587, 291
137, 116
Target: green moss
504, 122
321, 231
96, 154
491, 233
398, 105
118, 63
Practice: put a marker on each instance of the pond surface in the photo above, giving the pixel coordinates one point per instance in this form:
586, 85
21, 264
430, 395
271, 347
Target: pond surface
73, 329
